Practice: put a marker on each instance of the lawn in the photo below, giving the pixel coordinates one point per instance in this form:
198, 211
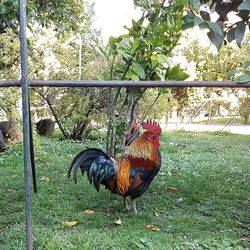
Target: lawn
199, 200
223, 121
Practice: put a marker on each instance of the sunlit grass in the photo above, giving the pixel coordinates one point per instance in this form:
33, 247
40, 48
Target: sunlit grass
206, 210
223, 121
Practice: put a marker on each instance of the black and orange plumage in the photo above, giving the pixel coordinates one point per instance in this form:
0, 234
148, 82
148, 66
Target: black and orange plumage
131, 174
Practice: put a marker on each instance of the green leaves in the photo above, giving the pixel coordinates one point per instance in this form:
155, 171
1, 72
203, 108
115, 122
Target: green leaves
176, 73
138, 69
197, 21
136, 43
239, 32
61, 15
216, 39
142, 53
244, 78
181, 2
231, 35
246, 65
215, 27
2, 9
245, 5
218, 29
216, 33
195, 3
242, 74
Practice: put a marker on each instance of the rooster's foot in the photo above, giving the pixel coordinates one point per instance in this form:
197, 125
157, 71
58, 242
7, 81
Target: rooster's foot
134, 207
127, 207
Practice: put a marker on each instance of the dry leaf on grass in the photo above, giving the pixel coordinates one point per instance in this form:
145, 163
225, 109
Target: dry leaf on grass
88, 211
172, 189
152, 227
45, 178
118, 222
69, 223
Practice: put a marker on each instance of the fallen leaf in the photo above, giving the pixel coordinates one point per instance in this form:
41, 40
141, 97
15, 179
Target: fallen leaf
69, 223
152, 227
45, 178
162, 173
118, 222
88, 211
172, 189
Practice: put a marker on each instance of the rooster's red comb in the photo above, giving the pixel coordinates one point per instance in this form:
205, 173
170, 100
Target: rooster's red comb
151, 126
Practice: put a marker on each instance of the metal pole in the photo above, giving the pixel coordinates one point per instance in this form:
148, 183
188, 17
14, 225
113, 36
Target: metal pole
126, 84
32, 155
26, 125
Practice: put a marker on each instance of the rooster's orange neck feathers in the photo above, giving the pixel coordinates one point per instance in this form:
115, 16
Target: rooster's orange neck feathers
143, 148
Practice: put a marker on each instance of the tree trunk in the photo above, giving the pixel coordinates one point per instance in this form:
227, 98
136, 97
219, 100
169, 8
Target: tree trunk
65, 134
46, 98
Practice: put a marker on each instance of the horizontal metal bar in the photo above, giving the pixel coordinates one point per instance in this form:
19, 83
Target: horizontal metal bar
10, 83
130, 84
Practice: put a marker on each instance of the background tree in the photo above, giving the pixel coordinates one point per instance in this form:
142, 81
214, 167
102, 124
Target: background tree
229, 63
62, 16
244, 107
72, 108
50, 60
142, 54
9, 69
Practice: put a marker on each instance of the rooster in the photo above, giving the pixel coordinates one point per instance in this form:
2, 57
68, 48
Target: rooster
131, 174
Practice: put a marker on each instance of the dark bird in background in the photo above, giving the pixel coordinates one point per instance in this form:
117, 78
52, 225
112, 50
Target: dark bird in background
131, 174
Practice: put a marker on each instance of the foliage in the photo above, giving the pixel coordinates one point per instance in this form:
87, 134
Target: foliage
72, 108
142, 54
215, 66
9, 54
244, 107
241, 74
207, 211
63, 16
9, 105
50, 60
221, 31
210, 66
154, 105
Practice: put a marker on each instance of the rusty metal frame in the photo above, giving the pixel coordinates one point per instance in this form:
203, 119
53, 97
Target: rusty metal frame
26, 121
25, 83
127, 84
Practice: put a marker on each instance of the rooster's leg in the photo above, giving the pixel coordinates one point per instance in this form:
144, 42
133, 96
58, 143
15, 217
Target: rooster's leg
134, 208
126, 205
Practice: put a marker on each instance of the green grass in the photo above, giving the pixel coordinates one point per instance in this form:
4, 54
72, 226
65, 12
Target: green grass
221, 121
208, 211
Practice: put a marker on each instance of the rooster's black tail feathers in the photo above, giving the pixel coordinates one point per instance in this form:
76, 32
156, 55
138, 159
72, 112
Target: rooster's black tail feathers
99, 167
